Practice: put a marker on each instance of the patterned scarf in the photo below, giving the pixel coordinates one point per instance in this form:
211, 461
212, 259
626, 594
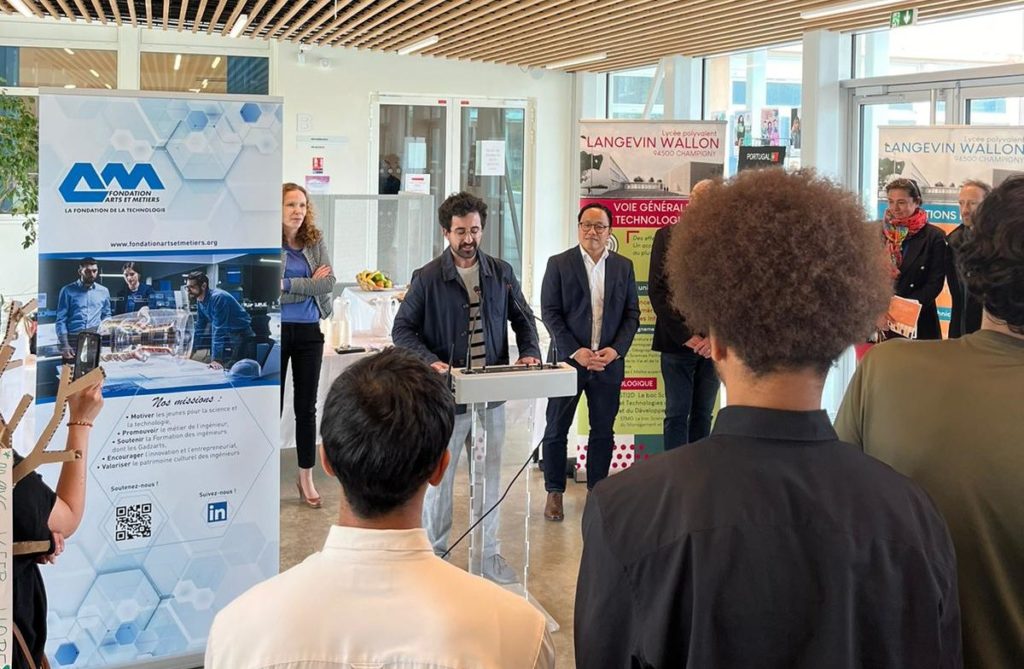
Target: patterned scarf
896, 230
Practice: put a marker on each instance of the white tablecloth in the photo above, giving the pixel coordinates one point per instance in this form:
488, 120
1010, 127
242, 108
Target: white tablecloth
331, 367
363, 308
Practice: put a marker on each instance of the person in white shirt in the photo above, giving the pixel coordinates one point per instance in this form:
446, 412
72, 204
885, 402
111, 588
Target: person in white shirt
589, 303
376, 595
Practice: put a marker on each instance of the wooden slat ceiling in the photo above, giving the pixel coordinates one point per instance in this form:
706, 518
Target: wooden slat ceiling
528, 33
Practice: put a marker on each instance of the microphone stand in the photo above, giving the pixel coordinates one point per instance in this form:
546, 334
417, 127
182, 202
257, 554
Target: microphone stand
525, 310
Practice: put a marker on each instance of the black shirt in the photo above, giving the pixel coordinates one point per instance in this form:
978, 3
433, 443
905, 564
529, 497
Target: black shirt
33, 501
768, 544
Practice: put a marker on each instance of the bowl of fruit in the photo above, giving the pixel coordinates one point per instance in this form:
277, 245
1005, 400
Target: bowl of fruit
374, 280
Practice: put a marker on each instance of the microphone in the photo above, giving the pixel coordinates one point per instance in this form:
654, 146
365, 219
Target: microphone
525, 310
451, 359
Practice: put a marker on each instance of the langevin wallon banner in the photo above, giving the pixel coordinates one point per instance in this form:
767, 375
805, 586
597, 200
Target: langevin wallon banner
940, 159
182, 498
643, 171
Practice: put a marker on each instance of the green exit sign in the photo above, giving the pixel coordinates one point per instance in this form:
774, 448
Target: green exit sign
903, 18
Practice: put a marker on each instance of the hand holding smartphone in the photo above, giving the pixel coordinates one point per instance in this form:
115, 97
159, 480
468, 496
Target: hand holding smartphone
87, 354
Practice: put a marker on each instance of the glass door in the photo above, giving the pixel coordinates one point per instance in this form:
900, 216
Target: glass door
412, 151
413, 142
440, 145
868, 112
994, 105
874, 112
995, 111
492, 167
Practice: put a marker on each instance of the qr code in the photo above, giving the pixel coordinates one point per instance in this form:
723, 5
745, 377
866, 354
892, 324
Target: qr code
134, 521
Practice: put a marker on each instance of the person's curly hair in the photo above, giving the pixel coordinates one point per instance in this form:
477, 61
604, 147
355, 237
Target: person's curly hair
991, 256
461, 204
308, 233
781, 267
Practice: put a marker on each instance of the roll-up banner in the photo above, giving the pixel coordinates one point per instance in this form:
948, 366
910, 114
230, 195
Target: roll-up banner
940, 159
158, 229
643, 171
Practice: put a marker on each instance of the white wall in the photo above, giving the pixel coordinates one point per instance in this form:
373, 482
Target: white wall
338, 100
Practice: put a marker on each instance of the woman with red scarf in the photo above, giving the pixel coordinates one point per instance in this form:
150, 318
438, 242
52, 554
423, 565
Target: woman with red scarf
917, 252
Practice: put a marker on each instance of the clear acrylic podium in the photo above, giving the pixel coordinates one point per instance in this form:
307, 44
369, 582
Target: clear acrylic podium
509, 523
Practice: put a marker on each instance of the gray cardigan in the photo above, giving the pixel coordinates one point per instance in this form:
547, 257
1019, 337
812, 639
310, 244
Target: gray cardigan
319, 289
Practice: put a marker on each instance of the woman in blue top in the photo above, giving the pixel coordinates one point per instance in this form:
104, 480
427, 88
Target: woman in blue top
135, 294
306, 284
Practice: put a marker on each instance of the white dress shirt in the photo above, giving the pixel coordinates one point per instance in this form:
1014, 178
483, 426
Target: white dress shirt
595, 275
377, 598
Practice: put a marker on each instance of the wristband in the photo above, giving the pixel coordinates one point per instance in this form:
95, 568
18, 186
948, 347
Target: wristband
83, 423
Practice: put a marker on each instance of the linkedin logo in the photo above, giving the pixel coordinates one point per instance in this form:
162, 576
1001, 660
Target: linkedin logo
216, 512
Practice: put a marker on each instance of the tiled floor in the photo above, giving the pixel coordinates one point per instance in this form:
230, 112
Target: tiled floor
554, 548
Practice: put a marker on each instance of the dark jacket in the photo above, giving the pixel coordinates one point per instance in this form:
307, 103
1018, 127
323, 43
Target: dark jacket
433, 320
769, 544
966, 316
670, 330
922, 275
565, 303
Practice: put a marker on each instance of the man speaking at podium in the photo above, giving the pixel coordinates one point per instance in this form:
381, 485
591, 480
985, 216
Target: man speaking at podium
456, 313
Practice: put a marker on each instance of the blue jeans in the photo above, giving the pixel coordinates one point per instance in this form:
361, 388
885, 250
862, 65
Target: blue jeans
437, 504
691, 386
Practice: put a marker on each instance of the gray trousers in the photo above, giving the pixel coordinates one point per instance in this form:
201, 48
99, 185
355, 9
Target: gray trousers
437, 506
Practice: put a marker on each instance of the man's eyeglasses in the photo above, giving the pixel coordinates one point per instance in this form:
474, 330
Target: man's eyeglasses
596, 227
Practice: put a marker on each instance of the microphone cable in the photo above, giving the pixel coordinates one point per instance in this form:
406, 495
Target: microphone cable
508, 488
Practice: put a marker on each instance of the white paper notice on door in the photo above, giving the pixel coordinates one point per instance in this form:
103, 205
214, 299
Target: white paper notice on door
417, 183
415, 153
490, 158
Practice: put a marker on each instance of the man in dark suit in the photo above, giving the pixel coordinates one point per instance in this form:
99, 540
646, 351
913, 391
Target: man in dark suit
965, 316
590, 304
691, 384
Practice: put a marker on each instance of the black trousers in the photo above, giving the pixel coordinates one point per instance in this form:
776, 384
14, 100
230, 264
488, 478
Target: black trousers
691, 386
602, 390
302, 344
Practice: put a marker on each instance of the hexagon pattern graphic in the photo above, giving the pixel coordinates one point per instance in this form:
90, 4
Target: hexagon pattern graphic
199, 152
189, 143
119, 600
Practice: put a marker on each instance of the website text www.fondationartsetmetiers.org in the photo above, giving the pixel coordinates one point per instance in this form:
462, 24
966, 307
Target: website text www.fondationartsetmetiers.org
154, 244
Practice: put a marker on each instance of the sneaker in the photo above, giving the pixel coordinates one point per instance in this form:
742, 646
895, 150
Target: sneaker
497, 569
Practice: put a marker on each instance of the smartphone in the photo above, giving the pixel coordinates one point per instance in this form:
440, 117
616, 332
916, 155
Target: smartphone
87, 354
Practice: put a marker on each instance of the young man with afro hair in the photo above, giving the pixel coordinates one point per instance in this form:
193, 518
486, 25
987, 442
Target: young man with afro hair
771, 543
